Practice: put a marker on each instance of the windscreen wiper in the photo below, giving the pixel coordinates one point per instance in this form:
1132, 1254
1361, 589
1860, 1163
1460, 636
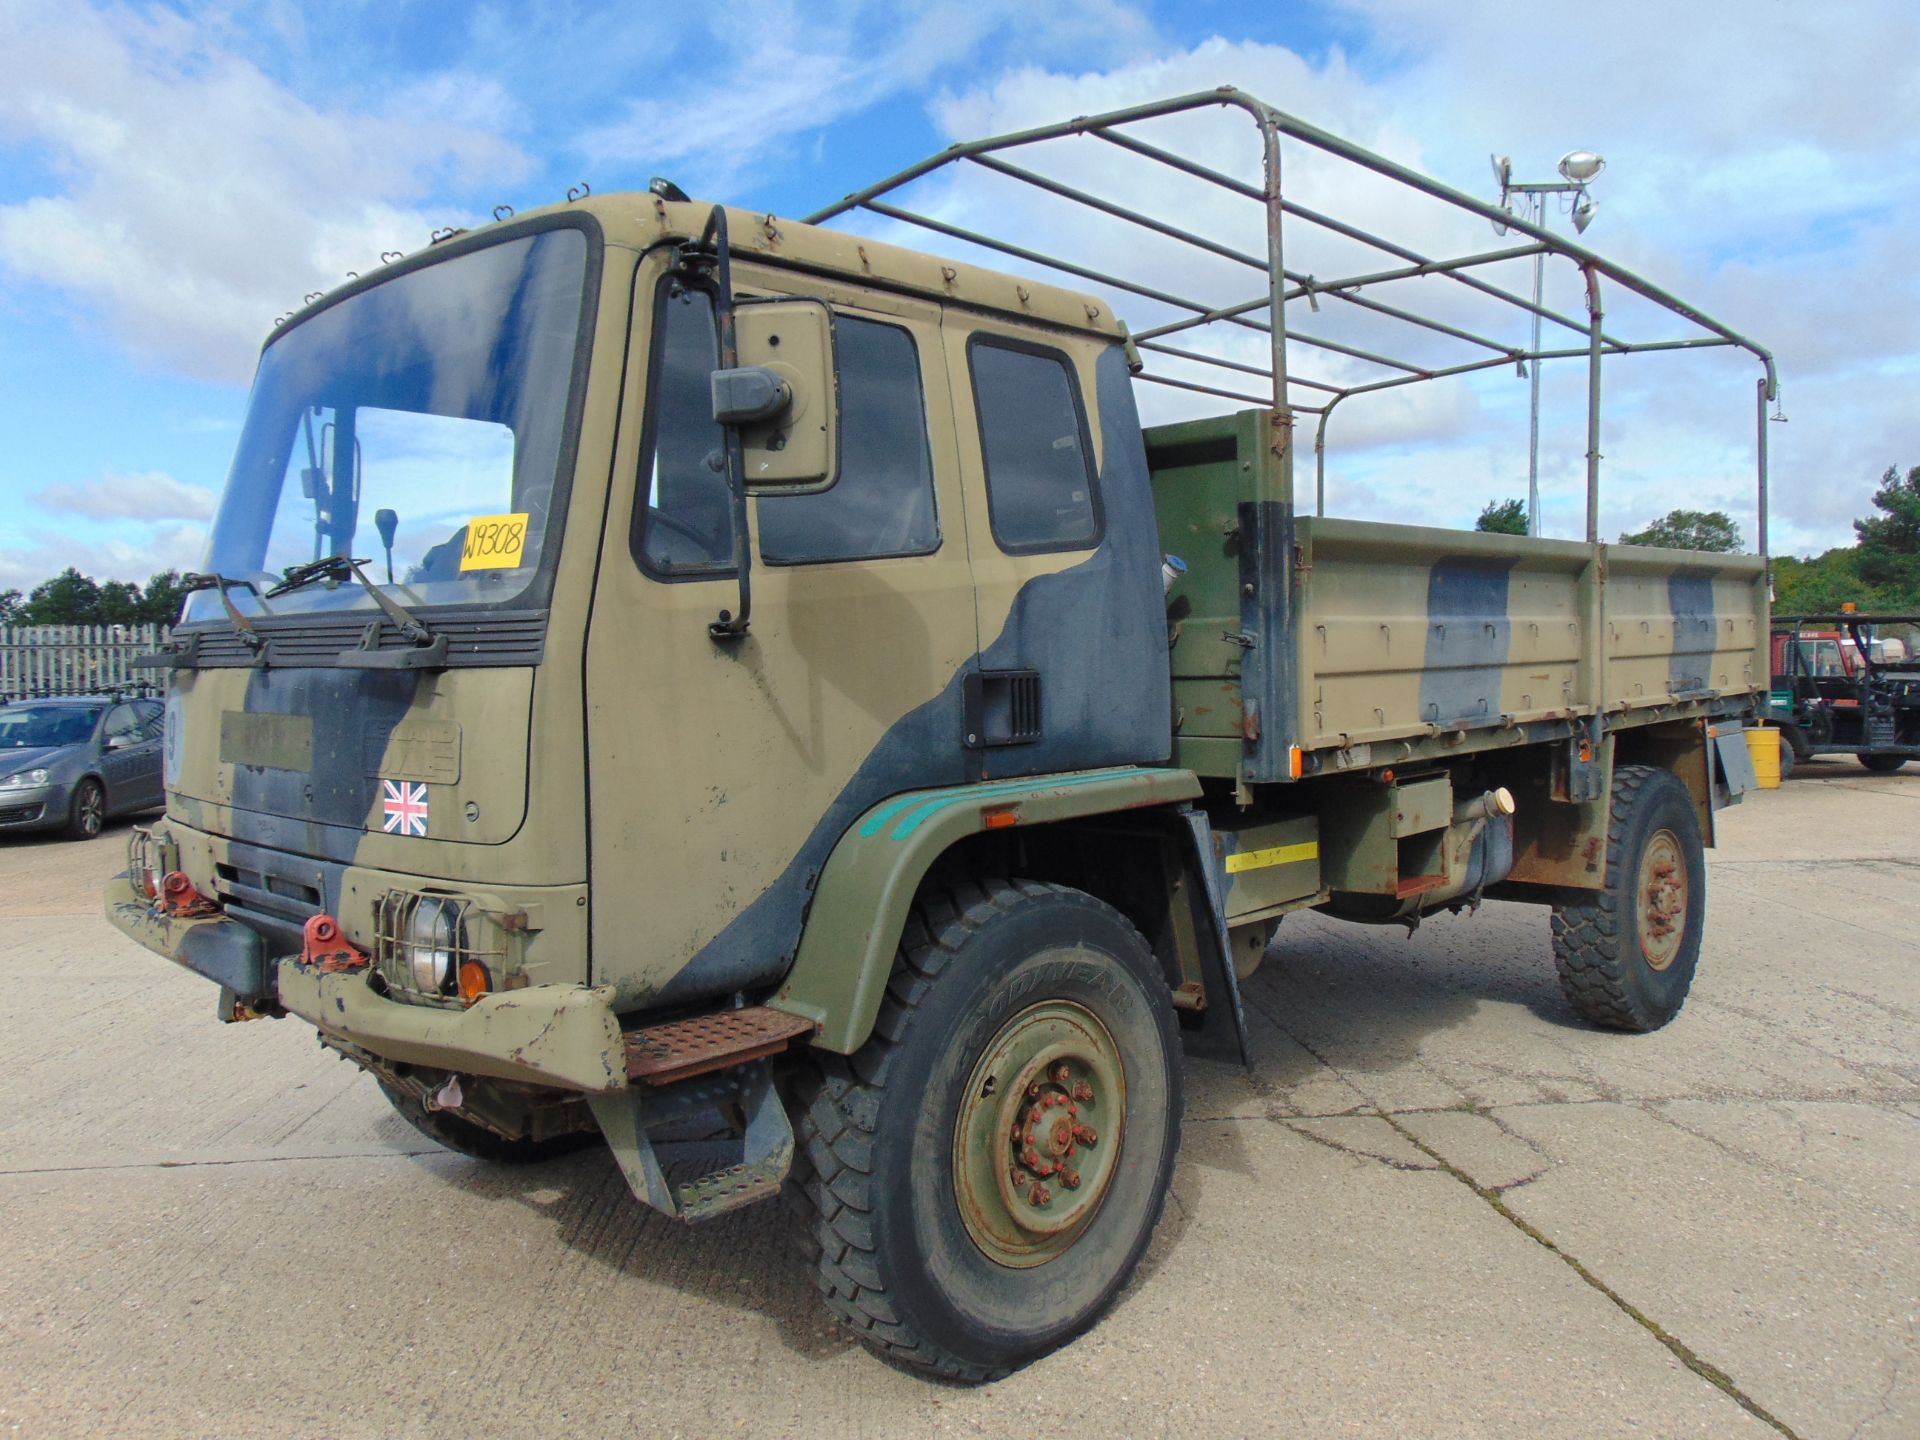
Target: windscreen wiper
184, 652
428, 649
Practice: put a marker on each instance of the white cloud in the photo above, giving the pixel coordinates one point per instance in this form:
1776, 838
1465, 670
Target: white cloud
198, 197
125, 555
115, 495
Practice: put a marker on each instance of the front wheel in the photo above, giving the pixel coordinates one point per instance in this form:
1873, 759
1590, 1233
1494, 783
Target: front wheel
87, 816
1882, 764
1627, 954
983, 1176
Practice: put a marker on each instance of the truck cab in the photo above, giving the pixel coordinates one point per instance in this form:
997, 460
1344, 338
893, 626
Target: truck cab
566, 778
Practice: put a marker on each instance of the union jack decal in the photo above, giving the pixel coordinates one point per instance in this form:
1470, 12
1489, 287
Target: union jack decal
406, 808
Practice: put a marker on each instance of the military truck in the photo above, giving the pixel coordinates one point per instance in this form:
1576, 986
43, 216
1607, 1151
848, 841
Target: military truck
662, 665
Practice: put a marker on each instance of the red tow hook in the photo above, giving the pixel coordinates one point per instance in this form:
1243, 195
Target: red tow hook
328, 950
179, 900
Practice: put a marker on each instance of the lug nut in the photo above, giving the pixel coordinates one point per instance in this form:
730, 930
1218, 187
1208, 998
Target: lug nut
1039, 1195
1061, 1074
1085, 1134
1070, 1178
1083, 1092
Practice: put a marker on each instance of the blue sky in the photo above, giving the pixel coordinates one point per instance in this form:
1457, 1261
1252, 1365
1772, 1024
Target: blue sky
172, 177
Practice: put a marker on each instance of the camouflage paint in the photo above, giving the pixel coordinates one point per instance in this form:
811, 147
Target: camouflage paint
1690, 595
1469, 637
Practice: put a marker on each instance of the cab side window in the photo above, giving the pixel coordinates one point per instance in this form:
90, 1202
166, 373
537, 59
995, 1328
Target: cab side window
1033, 436
882, 502
122, 724
683, 520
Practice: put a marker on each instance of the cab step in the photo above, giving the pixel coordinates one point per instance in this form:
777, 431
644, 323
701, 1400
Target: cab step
714, 1065
683, 1049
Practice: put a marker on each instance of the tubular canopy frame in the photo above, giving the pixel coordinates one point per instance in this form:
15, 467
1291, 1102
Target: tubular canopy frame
1265, 313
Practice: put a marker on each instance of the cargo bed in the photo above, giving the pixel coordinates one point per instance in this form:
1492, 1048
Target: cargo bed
1298, 643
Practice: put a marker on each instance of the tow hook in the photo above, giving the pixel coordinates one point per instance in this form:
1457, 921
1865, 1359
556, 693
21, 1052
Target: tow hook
180, 901
329, 951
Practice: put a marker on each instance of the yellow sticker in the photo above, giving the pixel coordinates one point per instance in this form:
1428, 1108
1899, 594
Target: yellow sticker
494, 542
1278, 855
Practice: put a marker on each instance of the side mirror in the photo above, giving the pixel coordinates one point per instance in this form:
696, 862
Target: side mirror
783, 396
119, 742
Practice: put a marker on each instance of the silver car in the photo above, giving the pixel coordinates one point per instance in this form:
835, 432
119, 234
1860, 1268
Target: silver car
68, 764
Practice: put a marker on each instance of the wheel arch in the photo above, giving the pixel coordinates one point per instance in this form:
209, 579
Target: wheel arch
867, 886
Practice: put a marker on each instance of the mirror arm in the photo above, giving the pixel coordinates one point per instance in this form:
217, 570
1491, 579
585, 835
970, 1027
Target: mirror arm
730, 626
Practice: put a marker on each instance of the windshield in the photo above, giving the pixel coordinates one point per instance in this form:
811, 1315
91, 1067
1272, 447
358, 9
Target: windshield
417, 424
1822, 657
34, 727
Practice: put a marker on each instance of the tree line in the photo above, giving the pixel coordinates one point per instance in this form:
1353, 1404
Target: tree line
1880, 571
71, 598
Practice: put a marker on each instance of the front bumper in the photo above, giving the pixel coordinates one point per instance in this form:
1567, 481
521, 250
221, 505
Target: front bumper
557, 1035
565, 1036
34, 807
222, 950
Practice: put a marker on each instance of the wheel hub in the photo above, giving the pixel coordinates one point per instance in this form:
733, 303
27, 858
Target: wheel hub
1663, 900
1031, 1161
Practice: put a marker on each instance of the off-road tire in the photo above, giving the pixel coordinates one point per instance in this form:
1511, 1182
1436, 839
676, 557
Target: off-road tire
1598, 947
467, 1138
1787, 758
1882, 764
87, 811
874, 1179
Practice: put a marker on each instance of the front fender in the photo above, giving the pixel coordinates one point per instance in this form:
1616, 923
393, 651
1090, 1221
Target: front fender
868, 883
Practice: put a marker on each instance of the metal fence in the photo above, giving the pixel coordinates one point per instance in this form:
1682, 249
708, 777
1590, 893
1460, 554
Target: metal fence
37, 661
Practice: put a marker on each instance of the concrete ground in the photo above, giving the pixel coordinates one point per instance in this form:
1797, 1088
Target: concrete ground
1438, 1206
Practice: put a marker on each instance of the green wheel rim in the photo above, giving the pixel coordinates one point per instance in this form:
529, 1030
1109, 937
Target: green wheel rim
1039, 1134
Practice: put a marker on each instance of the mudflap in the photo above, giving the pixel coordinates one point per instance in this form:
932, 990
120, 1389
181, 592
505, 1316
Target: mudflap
1222, 1032
629, 1117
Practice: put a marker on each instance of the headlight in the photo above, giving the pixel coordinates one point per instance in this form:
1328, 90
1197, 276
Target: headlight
432, 940
25, 777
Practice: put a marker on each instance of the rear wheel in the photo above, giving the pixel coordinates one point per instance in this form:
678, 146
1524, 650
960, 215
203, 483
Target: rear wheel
87, 814
983, 1176
1626, 956
1786, 757
1882, 764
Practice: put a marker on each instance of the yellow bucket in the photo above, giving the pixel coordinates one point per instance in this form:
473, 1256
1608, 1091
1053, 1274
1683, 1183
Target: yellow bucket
1763, 743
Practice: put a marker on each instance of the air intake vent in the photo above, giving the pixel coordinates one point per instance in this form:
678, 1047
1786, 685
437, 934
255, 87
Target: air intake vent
1002, 708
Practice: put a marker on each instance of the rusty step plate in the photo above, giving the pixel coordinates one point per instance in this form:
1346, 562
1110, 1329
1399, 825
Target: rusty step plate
663, 1054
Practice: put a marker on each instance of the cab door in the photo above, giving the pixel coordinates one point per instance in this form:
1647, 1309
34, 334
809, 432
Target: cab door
1073, 670
721, 773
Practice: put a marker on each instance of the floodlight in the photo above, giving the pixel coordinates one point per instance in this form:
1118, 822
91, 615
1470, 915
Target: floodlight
1580, 166
1583, 213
